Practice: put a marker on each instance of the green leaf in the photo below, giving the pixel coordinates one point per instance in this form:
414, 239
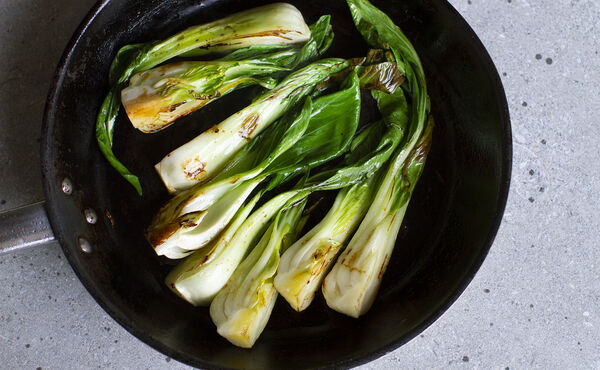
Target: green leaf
385, 77
105, 125
333, 123
413, 168
380, 32
393, 108
378, 70
371, 148
124, 58
320, 41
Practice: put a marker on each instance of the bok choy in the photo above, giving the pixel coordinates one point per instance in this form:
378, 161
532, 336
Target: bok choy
322, 131
305, 264
242, 308
194, 279
352, 284
354, 280
241, 251
274, 24
203, 274
203, 157
156, 98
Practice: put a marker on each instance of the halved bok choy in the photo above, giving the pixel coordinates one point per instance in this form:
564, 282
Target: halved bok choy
156, 98
205, 272
273, 24
353, 282
203, 157
323, 130
305, 264
243, 307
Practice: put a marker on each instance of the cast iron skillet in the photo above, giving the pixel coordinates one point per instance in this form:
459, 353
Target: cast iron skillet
450, 225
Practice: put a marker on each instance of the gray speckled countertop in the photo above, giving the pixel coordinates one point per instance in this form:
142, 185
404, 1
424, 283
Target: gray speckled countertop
535, 303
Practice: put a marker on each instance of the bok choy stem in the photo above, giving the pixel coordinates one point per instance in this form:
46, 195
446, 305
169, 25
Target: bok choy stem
199, 277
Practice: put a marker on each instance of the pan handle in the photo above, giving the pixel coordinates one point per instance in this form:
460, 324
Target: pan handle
24, 227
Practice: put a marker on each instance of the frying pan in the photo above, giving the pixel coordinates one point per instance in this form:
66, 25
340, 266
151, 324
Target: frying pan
98, 218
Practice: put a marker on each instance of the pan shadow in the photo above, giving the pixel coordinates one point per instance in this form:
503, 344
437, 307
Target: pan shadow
33, 34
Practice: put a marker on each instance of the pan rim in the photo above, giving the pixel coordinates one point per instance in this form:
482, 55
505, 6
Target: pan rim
50, 190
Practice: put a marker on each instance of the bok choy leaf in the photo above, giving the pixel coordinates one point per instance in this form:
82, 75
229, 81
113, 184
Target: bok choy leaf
379, 70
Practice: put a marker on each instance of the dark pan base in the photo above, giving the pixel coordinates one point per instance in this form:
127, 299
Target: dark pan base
450, 225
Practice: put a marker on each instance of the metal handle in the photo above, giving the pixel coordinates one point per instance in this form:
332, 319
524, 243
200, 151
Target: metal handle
24, 227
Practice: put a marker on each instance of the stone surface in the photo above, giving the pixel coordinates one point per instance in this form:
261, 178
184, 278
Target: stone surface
535, 302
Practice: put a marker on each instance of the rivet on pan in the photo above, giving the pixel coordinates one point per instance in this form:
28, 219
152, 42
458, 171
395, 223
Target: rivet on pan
67, 186
84, 244
90, 216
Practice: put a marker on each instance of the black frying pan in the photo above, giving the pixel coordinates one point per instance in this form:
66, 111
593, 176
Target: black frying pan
449, 227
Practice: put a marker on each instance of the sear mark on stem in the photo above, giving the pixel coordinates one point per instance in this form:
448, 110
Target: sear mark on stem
194, 169
249, 125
